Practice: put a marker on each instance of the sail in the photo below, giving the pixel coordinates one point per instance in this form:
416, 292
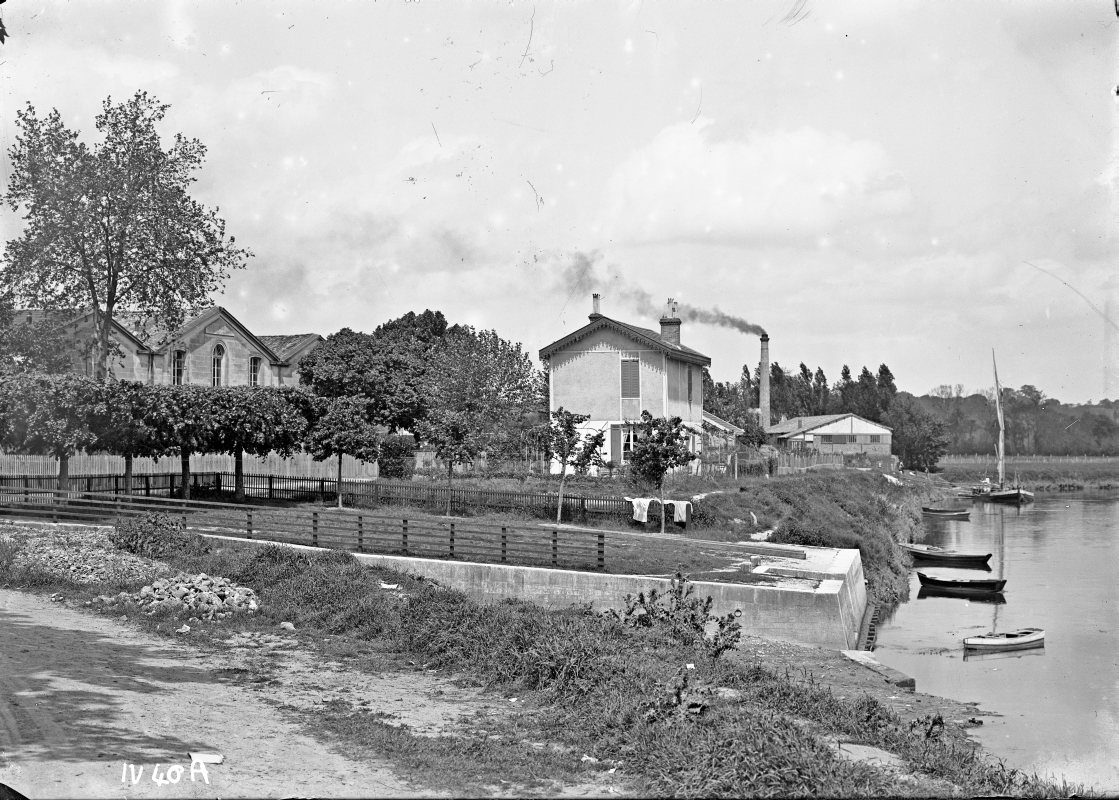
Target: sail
1000, 448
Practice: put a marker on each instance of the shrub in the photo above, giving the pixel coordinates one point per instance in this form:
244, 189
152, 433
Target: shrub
154, 535
397, 457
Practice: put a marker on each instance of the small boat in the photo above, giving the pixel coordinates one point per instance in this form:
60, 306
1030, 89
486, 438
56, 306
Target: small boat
935, 555
964, 586
949, 513
1009, 495
1011, 640
995, 598
1016, 496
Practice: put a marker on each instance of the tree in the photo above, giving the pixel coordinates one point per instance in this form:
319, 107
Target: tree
342, 427
183, 416
126, 427
112, 227
254, 420
661, 445
52, 415
481, 391
568, 446
43, 345
919, 439
887, 389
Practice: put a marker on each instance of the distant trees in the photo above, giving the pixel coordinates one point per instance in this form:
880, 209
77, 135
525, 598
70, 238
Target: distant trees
919, 439
112, 227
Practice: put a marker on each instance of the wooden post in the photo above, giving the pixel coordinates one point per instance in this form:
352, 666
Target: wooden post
314, 529
601, 550
583, 509
322, 490
404, 537
451, 542
504, 544
555, 548
360, 535
269, 486
147, 486
26, 488
116, 484
249, 523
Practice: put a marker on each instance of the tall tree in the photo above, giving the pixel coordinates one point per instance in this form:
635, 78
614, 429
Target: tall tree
481, 392
887, 389
660, 446
919, 439
184, 416
112, 227
341, 427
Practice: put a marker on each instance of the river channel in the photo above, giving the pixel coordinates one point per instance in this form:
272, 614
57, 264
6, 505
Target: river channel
1057, 706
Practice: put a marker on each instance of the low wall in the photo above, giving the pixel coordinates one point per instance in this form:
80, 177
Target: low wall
827, 615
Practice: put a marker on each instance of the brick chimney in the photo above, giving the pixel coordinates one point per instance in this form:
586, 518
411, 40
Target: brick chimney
763, 384
670, 323
595, 310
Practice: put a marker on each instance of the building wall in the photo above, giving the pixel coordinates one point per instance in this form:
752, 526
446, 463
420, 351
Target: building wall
679, 404
586, 378
199, 346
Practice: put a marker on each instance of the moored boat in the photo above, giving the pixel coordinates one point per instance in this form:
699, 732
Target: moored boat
929, 554
1010, 640
951, 513
1016, 496
962, 585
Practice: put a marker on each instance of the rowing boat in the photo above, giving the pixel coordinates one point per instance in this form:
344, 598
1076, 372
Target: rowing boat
1010, 640
929, 554
962, 586
948, 513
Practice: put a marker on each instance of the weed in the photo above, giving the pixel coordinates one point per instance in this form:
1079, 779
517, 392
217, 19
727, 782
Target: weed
154, 535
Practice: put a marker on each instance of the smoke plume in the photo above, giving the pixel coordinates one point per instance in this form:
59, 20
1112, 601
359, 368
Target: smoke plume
584, 273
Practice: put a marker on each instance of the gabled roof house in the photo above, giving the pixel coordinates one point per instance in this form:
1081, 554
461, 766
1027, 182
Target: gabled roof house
612, 371
211, 348
848, 434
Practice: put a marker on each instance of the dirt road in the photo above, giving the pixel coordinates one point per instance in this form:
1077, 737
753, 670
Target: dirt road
93, 708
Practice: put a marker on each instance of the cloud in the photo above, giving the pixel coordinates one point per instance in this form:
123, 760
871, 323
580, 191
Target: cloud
768, 186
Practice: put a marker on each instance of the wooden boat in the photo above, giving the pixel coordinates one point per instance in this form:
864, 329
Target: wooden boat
963, 586
996, 598
925, 553
1009, 495
949, 513
1010, 640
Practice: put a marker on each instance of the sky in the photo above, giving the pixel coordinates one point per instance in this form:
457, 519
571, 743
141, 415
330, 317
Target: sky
914, 184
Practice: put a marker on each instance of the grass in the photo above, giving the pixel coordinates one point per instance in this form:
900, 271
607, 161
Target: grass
1042, 476
613, 689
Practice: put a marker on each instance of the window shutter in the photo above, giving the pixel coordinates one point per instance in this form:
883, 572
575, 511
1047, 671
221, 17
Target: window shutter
631, 381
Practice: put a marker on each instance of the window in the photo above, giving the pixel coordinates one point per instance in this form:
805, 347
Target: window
178, 367
876, 438
254, 371
631, 378
219, 356
629, 438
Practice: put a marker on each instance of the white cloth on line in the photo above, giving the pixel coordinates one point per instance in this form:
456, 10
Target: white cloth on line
641, 507
681, 506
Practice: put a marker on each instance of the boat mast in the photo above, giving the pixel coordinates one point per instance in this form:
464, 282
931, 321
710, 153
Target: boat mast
1001, 447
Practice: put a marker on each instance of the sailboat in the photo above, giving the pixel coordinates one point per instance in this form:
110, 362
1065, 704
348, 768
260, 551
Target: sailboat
1012, 495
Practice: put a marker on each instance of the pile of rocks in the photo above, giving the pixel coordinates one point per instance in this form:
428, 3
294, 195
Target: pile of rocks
204, 596
83, 557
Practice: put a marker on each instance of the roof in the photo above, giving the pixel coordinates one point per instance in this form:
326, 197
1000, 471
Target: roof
804, 424
721, 423
643, 335
285, 345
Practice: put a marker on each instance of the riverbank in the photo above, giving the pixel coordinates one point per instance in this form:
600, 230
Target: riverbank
1040, 476
581, 703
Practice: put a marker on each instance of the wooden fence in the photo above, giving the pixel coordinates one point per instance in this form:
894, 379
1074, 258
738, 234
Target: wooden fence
339, 529
363, 494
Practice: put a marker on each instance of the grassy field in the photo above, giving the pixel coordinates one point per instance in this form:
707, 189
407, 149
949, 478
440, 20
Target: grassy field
646, 693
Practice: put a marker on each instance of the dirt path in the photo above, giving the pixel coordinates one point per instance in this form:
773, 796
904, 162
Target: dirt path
86, 701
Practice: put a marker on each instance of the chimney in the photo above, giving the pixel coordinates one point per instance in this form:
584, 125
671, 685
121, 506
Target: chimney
670, 323
763, 384
596, 312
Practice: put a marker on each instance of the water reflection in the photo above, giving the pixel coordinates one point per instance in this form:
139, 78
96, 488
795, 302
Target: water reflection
1059, 558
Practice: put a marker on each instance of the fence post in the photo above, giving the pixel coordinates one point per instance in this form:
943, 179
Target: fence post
404, 537
249, 522
602, 551
116, 484
314, 529
171, 484
504, 544
147, 486
583, 509
555, 548
360, 535
26, 489
451, 542
269, 486
322, 490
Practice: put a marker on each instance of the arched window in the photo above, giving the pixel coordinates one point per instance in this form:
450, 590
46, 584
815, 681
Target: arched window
254, 371
178, 367
219, 356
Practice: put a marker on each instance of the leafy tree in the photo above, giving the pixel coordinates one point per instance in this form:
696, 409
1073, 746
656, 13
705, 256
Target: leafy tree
570, 447
44, 346
919, 439
112, 227
126, 427
395, 454
255, 420
887, 389
53, 415
184, 417
481, 390
661, 445
342, 427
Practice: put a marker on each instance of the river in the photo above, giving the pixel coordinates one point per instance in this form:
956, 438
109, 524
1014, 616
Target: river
1057, 706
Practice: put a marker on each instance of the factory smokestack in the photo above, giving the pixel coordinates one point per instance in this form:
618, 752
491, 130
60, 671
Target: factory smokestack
763, 384
670, 323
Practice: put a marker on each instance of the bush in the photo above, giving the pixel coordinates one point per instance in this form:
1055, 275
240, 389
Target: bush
397, 457
155, 535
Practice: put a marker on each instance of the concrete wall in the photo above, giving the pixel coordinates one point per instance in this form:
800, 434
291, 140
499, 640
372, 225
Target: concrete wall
827, 616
